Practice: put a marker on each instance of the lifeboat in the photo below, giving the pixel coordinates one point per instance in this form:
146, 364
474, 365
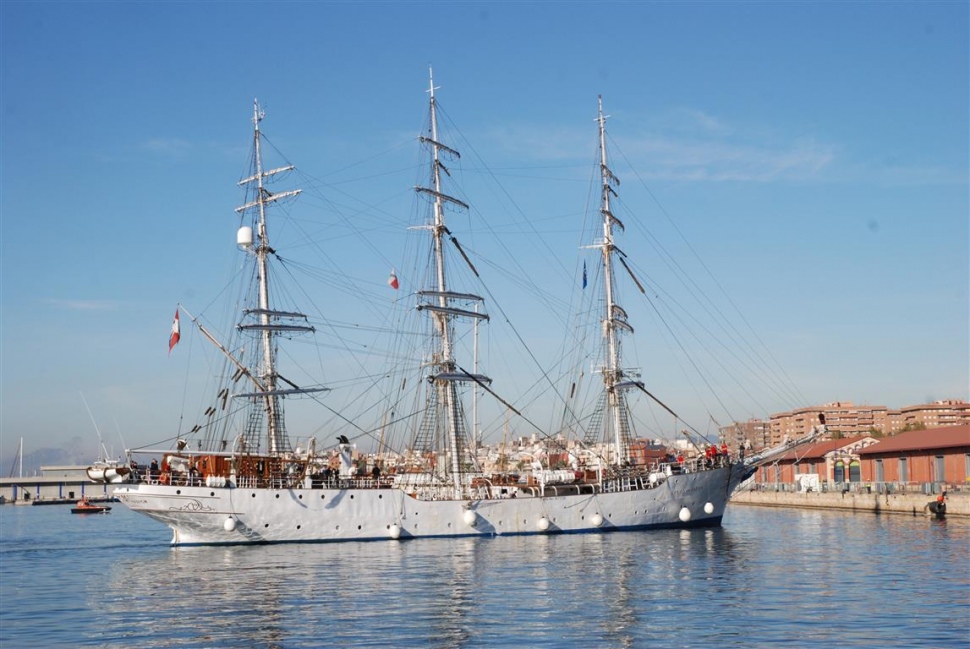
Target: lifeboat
108, 474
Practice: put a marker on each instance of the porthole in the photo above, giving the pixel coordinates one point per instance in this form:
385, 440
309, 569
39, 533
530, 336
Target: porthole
379, 496
254, 495
277, 495
212, 493
266, 525
358, 527
178, 491
300, 496
322, 496
298, 526
351, 496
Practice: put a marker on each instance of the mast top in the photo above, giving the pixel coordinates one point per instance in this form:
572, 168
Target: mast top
600, 117
258, 114
431, 86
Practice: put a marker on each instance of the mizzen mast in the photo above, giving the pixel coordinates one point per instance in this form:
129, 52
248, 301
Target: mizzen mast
615, 379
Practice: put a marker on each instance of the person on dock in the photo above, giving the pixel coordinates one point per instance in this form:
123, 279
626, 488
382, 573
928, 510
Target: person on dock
937, 507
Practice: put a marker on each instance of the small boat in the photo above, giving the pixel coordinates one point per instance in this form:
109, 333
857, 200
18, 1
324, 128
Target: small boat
105, 470
84, 506
102, 472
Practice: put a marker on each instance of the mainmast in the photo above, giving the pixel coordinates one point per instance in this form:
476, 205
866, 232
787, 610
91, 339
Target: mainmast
614, 320
267, 321
440, 304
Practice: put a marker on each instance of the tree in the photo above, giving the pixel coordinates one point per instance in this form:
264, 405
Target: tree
918, 425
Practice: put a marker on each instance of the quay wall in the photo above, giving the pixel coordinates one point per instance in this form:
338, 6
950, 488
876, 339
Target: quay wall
875, 503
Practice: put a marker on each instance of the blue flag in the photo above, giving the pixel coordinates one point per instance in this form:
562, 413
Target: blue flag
584, 274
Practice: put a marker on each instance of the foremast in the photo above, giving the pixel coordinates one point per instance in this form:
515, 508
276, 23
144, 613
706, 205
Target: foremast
615, 379
266, 322
444, 306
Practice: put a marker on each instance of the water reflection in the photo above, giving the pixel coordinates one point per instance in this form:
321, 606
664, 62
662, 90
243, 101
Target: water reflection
768, 578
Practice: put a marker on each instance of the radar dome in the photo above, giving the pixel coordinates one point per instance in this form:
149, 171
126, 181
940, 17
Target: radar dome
244, 238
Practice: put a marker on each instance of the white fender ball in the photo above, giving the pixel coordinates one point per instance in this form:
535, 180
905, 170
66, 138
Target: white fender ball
543, 524
709, 508
229, 524
684, 514
394, 531
471, 518
596, 520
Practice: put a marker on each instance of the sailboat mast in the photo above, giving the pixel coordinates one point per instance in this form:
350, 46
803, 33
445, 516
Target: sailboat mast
267, 375
442, 318
612, 372
274, 433
476, 427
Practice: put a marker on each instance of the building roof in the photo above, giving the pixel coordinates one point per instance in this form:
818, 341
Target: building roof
819, 450
922, 440
944, 404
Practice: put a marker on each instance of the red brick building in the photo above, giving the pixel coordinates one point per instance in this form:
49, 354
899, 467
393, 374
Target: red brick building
830, 461
940, 455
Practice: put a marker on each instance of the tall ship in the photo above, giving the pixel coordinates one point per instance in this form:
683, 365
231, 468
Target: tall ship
238, 478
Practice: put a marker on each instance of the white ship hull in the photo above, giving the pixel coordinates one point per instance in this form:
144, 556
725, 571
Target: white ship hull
205, 515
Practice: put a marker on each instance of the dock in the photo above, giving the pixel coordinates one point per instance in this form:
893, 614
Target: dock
910, 504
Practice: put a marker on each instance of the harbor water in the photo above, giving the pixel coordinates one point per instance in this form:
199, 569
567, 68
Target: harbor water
767, 578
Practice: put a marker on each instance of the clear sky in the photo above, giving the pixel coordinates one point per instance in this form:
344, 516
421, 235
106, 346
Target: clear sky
815, 155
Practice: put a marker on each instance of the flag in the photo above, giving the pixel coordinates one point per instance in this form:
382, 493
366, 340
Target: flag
173, 340
584, 274
392, 280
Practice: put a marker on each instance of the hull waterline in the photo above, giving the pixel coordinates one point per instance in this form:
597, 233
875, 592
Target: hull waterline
203, 515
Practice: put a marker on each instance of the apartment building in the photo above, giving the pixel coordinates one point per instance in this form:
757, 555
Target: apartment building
947, 412
752, 435
842, 417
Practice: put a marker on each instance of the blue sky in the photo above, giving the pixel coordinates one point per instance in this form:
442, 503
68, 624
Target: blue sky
814, 154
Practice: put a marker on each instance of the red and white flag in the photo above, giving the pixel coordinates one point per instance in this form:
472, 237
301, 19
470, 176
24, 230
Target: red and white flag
173, 340
392, 280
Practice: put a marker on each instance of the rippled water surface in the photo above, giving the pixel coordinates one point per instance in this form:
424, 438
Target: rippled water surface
768, 578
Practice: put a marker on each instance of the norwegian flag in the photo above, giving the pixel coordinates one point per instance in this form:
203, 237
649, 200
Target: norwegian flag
392, 280
173, 340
